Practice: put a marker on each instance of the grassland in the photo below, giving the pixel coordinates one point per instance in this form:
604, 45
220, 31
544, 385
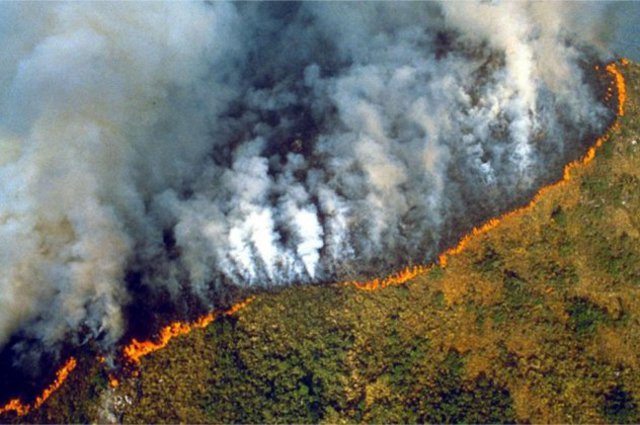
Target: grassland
537, 320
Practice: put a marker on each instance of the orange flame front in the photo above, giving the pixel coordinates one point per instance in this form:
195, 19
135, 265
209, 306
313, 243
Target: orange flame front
398, 278
21, 409
135, 350
443, 259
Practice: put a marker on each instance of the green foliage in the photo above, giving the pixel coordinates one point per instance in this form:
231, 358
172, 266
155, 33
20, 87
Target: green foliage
489, 262
597, 187
98, 382
438, 299
620, 257
436, 272
296, 381
516, 289
559, 216
607, 150
560, 276
585, 316
477, 401
518, 296
619, 407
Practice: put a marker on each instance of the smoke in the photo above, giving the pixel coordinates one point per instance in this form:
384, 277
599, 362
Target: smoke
182, 150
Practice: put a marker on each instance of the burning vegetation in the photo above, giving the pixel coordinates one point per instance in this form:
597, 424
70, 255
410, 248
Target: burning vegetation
135, 350
19, 408
564, 294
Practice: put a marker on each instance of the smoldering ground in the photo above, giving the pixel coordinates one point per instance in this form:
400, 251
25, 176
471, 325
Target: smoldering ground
160, 156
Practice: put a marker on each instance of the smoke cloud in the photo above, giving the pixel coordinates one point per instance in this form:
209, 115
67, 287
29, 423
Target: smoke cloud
185, 150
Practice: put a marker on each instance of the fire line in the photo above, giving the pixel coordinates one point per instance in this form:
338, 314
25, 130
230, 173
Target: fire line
21, 409
135, 350
443, 259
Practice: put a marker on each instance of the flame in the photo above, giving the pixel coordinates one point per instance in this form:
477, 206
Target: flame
135, 350
113, 381
61, 375
399, 278
443, 259
620, 84
21, 409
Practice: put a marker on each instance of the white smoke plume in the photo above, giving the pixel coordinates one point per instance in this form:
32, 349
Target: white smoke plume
205, 147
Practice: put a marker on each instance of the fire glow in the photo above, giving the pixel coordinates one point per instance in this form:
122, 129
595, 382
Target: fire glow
136, 350
21, 409
443, 259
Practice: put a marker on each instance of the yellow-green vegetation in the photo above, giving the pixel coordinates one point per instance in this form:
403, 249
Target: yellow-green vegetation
537, 321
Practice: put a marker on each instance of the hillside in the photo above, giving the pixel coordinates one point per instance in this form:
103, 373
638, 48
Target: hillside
537, 320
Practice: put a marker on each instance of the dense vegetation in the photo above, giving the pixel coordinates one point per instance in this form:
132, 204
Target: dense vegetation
538, 320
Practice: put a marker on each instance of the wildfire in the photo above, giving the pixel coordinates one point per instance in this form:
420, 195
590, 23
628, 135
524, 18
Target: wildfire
21, 409
113, 381
620, 84
411, 272
132, 352
135, 350
589, 156
398, 278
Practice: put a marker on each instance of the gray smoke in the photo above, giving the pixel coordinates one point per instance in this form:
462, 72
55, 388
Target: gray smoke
202, 147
